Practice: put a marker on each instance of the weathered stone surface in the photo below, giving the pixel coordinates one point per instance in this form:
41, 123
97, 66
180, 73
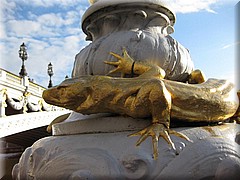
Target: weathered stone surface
98, 147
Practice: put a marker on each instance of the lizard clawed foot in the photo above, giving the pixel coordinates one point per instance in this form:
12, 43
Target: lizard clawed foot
123, 65
155, 131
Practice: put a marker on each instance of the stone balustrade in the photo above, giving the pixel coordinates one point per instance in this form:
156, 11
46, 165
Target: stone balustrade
20, 95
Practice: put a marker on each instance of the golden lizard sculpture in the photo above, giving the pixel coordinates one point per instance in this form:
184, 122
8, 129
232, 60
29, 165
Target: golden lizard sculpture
148, 95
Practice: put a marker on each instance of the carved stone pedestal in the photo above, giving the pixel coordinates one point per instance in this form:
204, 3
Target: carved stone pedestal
98, 148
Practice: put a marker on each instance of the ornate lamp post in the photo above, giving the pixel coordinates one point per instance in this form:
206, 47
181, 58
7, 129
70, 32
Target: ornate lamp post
23, 55
50, 73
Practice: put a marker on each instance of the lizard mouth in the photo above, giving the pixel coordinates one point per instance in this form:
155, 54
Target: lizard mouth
51, 96
56, 96
63, 96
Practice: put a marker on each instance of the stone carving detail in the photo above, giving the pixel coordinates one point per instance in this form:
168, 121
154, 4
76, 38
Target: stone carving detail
143, 31
212, 154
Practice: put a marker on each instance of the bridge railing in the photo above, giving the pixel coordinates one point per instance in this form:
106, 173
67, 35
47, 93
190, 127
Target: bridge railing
19, 95
23, 122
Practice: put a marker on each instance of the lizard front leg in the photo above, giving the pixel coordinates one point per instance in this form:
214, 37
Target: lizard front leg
160, 106
126, 65
157, 130
155, 94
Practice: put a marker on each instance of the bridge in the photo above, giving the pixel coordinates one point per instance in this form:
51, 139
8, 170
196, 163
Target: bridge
24, 116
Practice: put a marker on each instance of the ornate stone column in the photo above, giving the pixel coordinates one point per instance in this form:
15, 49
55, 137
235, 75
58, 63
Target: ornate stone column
3, 104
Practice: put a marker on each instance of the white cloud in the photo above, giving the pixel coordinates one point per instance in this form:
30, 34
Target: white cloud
231, 45
6, 10
2, 32
189, 6
50, 36
46, 25
57, 20
24, 28
50, 3
6, 13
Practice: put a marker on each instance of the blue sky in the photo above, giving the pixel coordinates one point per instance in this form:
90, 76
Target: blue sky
51, 29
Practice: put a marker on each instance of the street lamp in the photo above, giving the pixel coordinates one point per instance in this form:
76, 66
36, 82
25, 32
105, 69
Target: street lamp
50, 73
23, 55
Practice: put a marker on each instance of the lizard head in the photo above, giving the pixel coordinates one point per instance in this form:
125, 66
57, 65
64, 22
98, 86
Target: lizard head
69, 94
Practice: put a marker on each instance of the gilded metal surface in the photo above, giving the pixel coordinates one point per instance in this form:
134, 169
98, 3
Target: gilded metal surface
146, 95
236, 116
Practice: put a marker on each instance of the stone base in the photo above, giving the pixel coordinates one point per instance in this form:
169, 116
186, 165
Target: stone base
98, 148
